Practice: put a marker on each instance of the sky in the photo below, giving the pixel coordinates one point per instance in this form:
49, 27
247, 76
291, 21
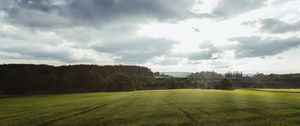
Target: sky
164, 35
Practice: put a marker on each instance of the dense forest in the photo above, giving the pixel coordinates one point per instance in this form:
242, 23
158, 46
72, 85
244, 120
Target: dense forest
22, 78
38, 79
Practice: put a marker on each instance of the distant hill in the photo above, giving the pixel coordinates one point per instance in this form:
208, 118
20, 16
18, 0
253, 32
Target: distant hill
177, 74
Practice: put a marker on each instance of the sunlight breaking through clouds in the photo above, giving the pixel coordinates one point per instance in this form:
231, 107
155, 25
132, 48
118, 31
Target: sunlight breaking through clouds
163, 35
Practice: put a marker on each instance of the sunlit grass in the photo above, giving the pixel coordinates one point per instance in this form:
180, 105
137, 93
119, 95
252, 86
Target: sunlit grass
282, 90
160, 107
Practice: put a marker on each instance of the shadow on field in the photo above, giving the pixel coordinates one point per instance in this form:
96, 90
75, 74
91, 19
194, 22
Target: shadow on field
11, 96
193, 120
87, 109
292, 92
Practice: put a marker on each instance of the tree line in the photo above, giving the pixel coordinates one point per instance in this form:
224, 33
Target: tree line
26, 78
39, 79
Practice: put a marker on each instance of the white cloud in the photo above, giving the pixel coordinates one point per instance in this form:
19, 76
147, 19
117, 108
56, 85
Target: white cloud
163, 35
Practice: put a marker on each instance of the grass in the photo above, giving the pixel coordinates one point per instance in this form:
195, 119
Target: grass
155, 108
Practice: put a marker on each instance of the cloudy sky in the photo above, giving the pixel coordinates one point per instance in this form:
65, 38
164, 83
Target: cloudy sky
165, 35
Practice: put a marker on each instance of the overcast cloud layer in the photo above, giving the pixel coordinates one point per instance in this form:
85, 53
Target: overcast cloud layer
165, 35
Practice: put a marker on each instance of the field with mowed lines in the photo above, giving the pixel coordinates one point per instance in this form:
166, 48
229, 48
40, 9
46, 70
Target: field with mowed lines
182, 107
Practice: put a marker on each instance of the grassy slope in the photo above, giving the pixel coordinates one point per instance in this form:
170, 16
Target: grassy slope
169, 107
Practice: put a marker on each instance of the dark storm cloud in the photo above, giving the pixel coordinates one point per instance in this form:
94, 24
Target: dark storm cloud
39, 52
258, 47
33, 13
42, 5
136, 50
272, 25
109, 9
67, 13
230, 8
111, 21
36, 19
50, 13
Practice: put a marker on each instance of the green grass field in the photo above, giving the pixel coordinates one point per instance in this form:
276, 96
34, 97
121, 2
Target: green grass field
155, 108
